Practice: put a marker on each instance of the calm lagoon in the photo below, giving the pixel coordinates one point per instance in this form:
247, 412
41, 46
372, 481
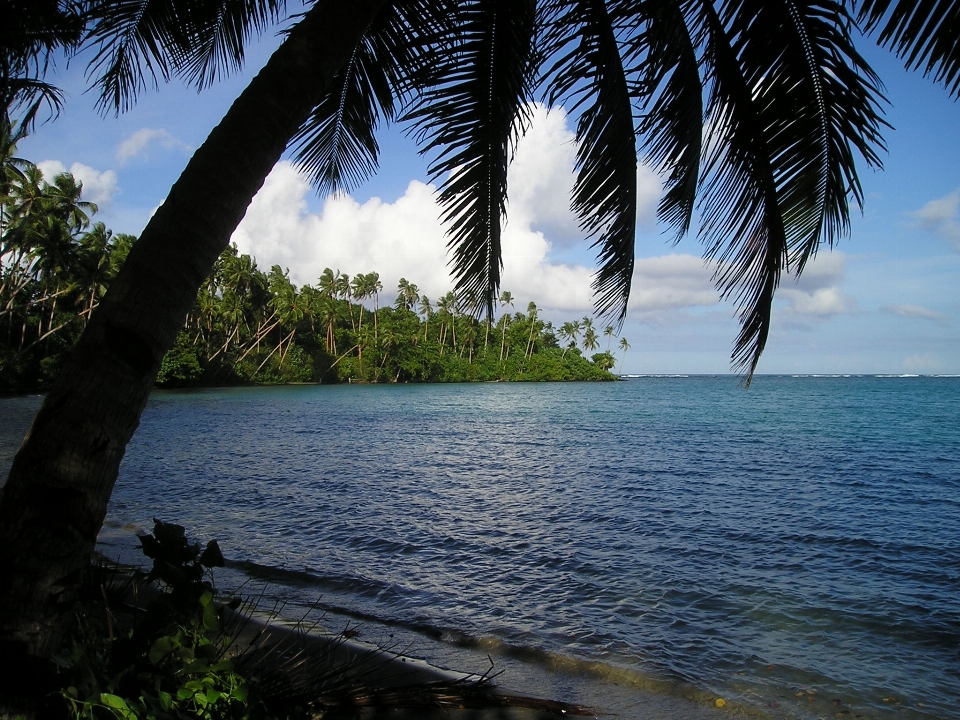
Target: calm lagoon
793, 549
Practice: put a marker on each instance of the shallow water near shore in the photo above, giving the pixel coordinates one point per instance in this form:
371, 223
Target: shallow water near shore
793, 549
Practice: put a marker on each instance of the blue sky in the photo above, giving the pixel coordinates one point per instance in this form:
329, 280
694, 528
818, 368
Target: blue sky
886, 300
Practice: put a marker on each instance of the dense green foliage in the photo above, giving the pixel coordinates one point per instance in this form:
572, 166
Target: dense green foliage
248, 326
251, 326
54, 267
170, 659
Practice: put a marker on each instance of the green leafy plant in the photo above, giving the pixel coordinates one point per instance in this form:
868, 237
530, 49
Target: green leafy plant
171, 662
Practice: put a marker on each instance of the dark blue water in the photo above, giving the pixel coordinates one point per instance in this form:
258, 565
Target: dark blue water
793, 549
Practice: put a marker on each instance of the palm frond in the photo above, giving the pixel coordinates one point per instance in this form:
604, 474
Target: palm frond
337, 146
740, 218
790, 100
29, 35
140, 42
223, 30
470, 120
663, 57
926, 35
136, 41
590, 76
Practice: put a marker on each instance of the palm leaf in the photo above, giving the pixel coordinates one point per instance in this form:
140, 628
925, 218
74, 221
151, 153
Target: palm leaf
663, 54
224, 28
29, 35
591, 77
337, 146
785, 113
924, 34
469, 118
140, 42
135, 40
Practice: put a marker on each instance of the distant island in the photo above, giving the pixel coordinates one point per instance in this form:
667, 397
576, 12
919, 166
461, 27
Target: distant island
253, 327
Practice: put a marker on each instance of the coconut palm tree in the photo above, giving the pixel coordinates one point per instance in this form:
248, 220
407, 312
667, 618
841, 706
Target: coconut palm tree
327, 283
374, 286
407, 294
786, 100
30, 34
532, 315
590, 342
624, 346
565, 331
289, 307
361, 290
12, 169
506, 299
425, 309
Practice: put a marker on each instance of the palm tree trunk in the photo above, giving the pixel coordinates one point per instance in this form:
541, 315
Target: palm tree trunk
55, 498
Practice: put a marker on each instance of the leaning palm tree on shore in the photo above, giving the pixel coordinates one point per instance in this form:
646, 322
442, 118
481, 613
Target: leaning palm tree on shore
754, 112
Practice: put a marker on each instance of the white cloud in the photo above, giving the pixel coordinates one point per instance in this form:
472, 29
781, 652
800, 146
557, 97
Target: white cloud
672, 282
915, 311
942, 217
98, 187
405, 238
816, 293
137, 144
823, 302
541, 177
400, 239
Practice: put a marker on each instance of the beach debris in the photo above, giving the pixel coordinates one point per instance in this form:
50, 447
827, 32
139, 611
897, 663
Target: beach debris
720, 702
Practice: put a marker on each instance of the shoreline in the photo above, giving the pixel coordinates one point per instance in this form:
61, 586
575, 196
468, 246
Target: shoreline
553, 682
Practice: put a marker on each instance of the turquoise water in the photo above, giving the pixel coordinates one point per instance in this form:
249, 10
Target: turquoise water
794, 549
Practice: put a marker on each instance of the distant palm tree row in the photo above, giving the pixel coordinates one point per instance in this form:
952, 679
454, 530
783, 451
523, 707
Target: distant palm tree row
253, 326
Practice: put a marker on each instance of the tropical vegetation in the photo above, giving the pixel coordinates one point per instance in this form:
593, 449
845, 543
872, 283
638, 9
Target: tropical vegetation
250, 326
55, 265
755, 113
253, 326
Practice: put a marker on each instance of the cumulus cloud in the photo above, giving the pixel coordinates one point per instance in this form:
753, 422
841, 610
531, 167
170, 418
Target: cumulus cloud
399, 239
672, 282
98, 187
942, 217
138, 144
915, 311
816, 293
405, 238
541, 178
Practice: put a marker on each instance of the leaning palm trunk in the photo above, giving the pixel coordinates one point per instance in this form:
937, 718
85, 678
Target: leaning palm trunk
55, 499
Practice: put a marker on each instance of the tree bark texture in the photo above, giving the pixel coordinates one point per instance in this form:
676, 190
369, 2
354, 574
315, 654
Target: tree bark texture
55, 499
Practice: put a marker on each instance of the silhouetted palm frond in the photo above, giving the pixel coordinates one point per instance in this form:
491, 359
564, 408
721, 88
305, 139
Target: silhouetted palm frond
589, 74
138, 42
662, 56
337, 146
790, 100
470, 119
223, 29
924, 34
30, 33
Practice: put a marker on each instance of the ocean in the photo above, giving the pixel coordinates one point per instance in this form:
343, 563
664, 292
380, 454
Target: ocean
793, 549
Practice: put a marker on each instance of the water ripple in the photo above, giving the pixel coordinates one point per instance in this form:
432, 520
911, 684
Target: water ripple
802, 536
